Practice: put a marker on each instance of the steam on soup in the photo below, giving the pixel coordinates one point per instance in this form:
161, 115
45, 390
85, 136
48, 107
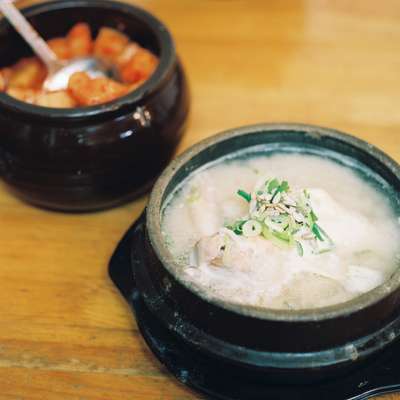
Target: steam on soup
289, 231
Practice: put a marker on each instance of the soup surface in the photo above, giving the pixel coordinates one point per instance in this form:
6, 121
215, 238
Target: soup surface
287, 231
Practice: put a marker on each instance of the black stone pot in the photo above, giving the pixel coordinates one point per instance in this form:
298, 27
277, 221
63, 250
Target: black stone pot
95, 157
264, 344
225, 380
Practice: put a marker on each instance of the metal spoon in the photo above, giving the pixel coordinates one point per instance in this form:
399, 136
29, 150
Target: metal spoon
59, 71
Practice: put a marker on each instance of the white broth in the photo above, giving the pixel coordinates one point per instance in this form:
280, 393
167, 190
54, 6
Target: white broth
361, 243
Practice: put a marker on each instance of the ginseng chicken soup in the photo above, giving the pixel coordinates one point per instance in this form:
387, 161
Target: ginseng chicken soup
282, 231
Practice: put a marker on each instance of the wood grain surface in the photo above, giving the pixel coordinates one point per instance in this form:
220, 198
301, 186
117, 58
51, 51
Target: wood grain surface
65, 332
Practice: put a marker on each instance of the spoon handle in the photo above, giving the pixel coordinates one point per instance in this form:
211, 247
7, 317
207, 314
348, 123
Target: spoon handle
25, 29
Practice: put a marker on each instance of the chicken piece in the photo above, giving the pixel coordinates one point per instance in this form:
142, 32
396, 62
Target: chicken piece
305, 290
57, 99
28, 73
210, 249
60, 47
22, 94
89, 92
79, 40
140, 67
224, 250
109, 44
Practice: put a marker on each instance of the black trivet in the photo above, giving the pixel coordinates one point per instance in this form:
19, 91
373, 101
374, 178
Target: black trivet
382, 375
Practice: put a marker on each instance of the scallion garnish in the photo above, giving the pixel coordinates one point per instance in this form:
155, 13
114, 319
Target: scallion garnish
299, 247
236, 227
245, 195
251, 228
283, 216
314, 218
273, 185
317, 233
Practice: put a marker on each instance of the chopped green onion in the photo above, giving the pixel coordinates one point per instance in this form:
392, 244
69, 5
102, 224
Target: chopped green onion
282, 218
284, 187
251, 228
314, 218
300, 250
272, 236
266, 232
237, 227
274, 195
272, 185
245, 195
274, 226
238, 230
316, 232
282, 236
322, 251
323, 233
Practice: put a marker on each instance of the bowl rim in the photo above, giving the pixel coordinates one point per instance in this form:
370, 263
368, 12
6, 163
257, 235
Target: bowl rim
167, 59
153, 226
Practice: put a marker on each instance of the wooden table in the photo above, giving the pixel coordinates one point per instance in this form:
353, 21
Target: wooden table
65, 332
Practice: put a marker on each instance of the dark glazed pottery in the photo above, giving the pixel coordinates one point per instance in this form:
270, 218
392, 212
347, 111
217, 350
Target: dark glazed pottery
96, 157
288, 346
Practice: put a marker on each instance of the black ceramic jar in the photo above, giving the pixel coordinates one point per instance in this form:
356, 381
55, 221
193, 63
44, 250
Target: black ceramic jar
264, 344
95, 157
